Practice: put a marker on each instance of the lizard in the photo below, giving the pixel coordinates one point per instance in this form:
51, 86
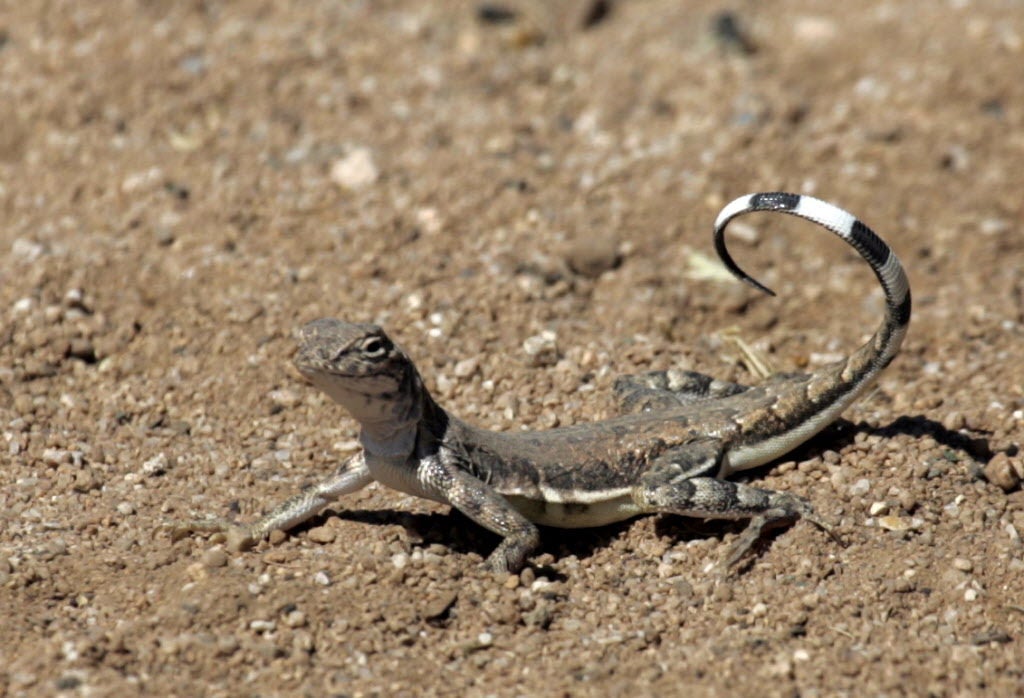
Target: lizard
681, 434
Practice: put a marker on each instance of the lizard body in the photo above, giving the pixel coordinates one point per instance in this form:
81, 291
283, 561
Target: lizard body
682, 432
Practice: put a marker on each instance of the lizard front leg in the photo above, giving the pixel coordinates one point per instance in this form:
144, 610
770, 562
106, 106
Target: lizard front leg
485, 506
352, 476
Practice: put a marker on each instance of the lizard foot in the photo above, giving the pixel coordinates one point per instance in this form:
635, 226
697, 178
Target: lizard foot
662, 390
238, 538
788, 509
510, 556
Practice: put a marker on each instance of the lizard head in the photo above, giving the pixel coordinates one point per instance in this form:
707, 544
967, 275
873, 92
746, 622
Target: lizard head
361, 369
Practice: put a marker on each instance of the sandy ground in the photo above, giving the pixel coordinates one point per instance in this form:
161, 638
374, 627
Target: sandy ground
184, 183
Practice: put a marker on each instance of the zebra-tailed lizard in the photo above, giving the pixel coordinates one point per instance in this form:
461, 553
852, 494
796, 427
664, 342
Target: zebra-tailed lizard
682, 433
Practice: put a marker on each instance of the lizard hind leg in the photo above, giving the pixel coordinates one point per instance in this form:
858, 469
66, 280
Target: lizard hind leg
681, 481
663, 390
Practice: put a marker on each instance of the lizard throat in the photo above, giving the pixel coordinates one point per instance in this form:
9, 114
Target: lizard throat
388, 442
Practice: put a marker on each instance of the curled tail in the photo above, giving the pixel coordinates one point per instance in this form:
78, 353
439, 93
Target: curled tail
805, 407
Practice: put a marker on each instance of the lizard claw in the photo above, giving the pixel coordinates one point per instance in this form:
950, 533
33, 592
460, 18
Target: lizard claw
510, 555
827, 528
500, 563
768, 520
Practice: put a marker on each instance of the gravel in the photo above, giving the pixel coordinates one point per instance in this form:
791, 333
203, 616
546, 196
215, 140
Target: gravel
519, 195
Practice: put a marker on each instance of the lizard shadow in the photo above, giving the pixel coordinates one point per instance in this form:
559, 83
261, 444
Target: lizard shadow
459, 534
843, 432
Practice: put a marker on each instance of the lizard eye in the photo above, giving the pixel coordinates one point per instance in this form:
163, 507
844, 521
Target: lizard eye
374, 347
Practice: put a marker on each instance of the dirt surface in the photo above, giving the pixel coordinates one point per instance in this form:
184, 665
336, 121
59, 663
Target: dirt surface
182, 184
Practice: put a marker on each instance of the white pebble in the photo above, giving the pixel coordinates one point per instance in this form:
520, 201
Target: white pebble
145, 178
465, 368
157, 465
745, 232
27, 250
429, 221
322, 579
963, 564
860, 488
55, 456
817, 30
542, 348
356, 170
295, 619
284, 397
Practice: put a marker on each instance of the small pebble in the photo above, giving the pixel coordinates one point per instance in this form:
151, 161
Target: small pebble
322, 579
744, 232
323, 534
263, 626
542, 349
215, 557
591, 258
816, 30
904, 585
438, 606
295, 619
894, 523
1001, 473
954, 421
164, 236
879, 508
227, 645
860, 488
963, 564
56, 456
26, 250
285, 397
157, 465
355, 171
465, 368
810, 601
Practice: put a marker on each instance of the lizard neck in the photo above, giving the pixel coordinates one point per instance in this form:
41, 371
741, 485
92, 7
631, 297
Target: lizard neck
395, 450
388, 441
413, 418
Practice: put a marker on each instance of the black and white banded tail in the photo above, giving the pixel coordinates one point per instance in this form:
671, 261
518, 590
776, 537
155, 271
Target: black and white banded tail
828, 392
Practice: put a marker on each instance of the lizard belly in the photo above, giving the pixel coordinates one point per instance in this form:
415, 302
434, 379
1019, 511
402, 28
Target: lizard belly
576, 514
